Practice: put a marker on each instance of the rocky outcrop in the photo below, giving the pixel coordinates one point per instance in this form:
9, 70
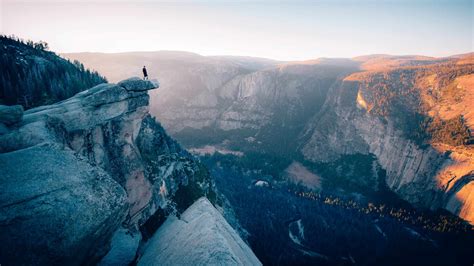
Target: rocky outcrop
200, 236
74, 171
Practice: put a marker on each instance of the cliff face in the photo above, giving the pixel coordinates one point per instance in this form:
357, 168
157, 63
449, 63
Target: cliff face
72, 172
55, 208
252, 111
281, 96
284, 94
398, 116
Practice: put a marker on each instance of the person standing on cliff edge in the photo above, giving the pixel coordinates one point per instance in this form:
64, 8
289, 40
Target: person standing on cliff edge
145, 74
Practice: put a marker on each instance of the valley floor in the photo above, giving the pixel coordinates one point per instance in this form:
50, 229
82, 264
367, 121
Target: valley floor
291, 226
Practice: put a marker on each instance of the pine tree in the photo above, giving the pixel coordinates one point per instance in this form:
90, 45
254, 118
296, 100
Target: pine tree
32, 76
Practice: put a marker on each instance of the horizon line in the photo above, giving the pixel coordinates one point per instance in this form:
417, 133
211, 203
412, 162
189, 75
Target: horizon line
268, 58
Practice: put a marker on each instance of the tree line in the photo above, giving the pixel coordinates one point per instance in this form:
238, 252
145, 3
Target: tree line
33, 76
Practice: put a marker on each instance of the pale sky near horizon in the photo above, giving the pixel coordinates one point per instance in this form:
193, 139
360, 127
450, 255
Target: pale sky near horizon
284, 30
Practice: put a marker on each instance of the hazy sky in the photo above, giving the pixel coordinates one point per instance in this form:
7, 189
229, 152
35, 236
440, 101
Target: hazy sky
287, 30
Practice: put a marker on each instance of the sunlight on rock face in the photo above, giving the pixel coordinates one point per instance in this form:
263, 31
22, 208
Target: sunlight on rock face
452, 177
454, 99
431, 79
462, 164
466, 101
462, 203
361, 103
139, 191
466, 197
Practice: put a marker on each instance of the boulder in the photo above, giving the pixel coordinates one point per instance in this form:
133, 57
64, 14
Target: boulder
10, 115
56, 209
138, 84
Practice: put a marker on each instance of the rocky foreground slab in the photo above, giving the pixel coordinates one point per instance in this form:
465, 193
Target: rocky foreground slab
201, 236
58, 204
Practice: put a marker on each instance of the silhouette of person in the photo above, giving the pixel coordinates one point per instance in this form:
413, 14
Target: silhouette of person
145, 74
